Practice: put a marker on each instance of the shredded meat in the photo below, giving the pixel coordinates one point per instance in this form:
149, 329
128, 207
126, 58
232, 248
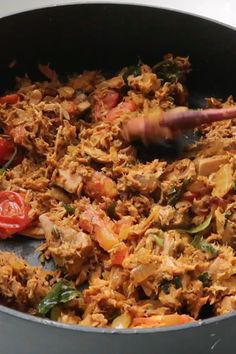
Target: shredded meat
68, 247
21, 285
147, 243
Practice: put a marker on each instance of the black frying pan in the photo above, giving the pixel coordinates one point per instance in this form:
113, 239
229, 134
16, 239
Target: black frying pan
89, 36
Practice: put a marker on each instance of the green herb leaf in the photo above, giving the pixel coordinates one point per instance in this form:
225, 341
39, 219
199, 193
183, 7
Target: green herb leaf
177, 282
132, 70
172, 191
168, 71
199, 228
176, 193
159, 240
61, 292
205, 279
111, 210
70, 210
165, 285
200, 243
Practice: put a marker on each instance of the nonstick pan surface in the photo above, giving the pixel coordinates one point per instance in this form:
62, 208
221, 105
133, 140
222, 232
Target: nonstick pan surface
107, 37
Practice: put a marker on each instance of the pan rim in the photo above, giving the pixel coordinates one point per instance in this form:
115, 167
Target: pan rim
42, 321
103, 330
115, 3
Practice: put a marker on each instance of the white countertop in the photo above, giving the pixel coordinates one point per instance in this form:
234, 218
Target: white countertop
221, 10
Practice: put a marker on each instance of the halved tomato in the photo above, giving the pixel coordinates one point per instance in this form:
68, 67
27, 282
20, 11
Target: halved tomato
13, 214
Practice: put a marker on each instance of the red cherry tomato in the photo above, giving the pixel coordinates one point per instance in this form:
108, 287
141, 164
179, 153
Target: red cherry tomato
6, 150
13, 214
10, 99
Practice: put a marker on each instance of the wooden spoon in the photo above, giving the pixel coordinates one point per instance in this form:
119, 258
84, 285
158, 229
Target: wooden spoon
168, 125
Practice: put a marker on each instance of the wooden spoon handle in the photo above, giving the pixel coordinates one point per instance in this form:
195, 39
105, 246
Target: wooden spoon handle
194, 118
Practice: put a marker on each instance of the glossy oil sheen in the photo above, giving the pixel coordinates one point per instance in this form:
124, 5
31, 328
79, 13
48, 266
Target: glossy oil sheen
73, 38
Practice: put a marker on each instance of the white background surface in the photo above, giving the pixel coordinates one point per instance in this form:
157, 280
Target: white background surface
221, 10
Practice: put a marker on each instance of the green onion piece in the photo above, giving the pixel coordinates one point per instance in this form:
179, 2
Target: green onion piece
176, 193
177, 282
132, 70
61, 292
69, 209
205, 279
168, 71
199, 228
165, 285
159, 240
200, 243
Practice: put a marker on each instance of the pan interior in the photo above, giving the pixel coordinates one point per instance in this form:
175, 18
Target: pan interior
73, 38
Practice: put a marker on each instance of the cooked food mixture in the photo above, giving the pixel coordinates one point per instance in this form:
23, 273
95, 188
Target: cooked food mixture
136, 243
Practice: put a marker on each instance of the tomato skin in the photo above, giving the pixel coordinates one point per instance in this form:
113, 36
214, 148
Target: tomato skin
99, 186
6, 150
10, 99
161, 321
124, 107
13, 214
97, 223
109, 100
119, 254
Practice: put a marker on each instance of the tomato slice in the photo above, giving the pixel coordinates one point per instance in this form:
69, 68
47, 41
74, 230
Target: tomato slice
13, 214
6, 150
10, 99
